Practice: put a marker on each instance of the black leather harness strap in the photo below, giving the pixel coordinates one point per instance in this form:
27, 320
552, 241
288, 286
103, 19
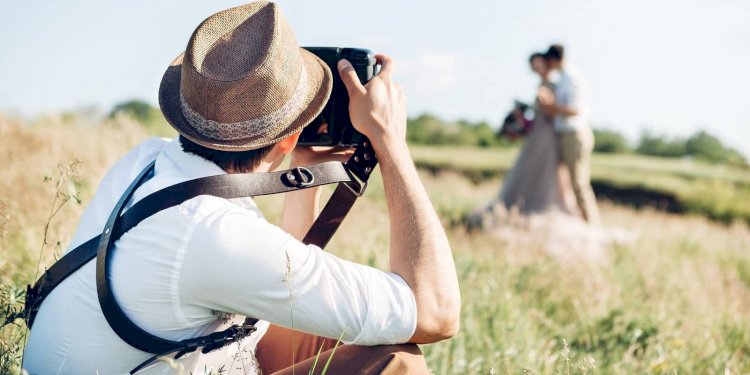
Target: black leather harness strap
235, 185
360, 165
224, 186
55, 275
351, 176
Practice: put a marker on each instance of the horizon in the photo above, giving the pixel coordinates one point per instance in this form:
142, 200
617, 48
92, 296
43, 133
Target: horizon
97, 113
672, 73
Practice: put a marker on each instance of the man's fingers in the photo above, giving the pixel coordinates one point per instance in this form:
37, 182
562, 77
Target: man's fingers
349, 77
335, 150
386, 66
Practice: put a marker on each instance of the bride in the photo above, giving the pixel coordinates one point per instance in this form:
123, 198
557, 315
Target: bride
533, 184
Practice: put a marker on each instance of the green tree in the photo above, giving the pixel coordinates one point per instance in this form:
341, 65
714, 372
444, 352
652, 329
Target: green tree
426, 129
146, 114
659, 145
705, 146
429, 129
486, 136
700, 145
137, 109
610, 142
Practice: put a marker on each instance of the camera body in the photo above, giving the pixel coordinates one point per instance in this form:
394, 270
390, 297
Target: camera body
333, 127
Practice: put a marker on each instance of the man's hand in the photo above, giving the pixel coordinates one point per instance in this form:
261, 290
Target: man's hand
548, 102
301, 207
545, 96
546, 99
420, 252
309, 155
377, 109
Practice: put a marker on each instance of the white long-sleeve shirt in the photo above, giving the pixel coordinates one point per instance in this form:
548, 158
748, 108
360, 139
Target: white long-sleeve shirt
571, 90
182, 272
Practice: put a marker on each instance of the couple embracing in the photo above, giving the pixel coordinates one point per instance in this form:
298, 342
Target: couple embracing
554, 162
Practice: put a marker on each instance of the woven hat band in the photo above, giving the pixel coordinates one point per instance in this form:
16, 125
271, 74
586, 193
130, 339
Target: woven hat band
253, 127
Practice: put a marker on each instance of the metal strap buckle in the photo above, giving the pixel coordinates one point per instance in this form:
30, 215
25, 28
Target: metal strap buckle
356, 185
299, 177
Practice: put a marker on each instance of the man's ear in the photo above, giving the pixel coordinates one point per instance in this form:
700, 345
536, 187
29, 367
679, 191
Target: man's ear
286, 145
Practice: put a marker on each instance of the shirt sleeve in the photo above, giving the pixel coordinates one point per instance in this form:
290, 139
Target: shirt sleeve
239, 263
575, 93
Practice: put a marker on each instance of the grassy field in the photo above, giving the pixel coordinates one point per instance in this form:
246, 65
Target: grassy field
661, 294
719, 192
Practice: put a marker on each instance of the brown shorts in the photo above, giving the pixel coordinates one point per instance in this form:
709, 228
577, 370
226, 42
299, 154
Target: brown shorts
283, 351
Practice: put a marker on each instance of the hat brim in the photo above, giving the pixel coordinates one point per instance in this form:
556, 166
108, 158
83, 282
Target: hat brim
320, 84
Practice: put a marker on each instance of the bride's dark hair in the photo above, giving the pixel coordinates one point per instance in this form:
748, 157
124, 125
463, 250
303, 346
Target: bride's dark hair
536, 55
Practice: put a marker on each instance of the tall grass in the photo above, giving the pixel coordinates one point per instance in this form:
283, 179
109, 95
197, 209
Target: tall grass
44, 168
673, 299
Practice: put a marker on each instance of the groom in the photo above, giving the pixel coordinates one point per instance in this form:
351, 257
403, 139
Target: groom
569, 108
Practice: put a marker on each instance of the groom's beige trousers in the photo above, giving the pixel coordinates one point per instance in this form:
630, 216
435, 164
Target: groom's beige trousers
575, 149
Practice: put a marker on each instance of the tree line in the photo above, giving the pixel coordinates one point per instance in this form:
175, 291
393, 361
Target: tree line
700, 145
429, 129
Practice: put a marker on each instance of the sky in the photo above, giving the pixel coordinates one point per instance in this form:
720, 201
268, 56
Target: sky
669, 66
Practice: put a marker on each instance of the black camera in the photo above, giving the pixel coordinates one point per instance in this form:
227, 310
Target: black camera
333, 127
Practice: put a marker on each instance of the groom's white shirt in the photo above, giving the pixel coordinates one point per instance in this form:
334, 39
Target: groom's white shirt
571, 91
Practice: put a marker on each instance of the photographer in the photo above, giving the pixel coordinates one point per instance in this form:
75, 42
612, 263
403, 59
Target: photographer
239, 97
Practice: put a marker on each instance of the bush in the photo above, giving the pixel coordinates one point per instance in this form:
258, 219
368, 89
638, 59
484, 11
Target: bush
707, 147
138, 109
700, 145
428, 129
610, 142
485, 136
657, 145
146, 114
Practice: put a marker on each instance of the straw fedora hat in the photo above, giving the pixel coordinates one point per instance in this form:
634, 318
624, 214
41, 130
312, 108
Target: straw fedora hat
243, 82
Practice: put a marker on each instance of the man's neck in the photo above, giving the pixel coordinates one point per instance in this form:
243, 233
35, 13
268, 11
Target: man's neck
262, 168
267, 165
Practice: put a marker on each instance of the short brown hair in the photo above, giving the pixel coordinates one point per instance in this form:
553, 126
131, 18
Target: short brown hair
240, 161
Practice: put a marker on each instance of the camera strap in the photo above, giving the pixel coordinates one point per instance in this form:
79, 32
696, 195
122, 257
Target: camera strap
351, 178
360, 165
